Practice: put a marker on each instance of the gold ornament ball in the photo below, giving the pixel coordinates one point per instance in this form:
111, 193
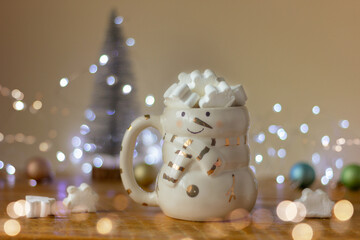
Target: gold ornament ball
145, 174
38, 168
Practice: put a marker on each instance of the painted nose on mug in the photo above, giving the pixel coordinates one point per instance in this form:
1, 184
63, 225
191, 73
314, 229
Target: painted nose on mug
205, 174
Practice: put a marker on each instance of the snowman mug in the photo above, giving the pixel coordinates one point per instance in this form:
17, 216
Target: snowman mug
205, 172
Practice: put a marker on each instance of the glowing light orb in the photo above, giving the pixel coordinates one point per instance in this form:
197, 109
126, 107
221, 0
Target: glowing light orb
60, 156
18, 105
37, 105
150, 100
1, 164
339, 163
281, 153
103, 59
343, 210
302, 231
12, 227
118, 20
76, 141
17, 94
90, 115
304, 128
260, 138
44, 146
325, 141
93, 68
77, 153
316, 110
316, 158
280, 179
64, 82
277, 107
126, 89
329, 173
282, 134
98, 162
130, 42
104, 226
271, 152
84, 129
344, 124
273, 129
110, 80
324, 180
10, 169
86, 168
258, 158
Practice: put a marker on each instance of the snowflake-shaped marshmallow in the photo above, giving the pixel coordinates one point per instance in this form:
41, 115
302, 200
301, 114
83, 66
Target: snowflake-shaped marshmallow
197, 80
317, 203
81, 199
220, 96
179, 95
37, 206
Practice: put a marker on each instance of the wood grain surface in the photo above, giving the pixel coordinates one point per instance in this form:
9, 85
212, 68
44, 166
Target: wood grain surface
118, 217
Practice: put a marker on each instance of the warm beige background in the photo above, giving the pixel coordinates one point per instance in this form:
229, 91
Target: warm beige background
298, 53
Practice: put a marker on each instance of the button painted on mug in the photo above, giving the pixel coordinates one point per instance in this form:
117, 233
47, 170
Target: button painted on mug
192, 190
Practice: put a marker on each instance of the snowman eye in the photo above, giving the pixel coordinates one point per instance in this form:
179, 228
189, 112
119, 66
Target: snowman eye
207, 114
183, 114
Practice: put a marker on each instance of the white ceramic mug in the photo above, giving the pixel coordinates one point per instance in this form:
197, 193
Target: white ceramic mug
206, 171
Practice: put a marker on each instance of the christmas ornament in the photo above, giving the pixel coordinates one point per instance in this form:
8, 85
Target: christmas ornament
81, 199
302, 175
317, 203
145, 174
350, 176
37, 206
39, 168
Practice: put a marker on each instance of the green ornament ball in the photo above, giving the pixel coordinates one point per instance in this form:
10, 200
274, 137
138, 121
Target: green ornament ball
145, 174
350, 177
302, 175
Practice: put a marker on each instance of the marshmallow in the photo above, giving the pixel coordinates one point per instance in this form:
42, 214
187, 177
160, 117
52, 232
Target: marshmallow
180, 96
197, 80
37, 206
317, 203
81, 199
220, 96
240, 95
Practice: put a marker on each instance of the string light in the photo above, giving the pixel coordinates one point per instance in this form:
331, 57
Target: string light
103, 59
37, 105
110, 80
64, 82
325, 141
282, 134
98, 161
18, 105
280, 179
17, 94
130, 42
316, 110
77, 153
281, 153
258, 158
329, 173
118, 20
277, 107
304, 128
150, 100
260, 138
324, 180
126, 89
86, 168
315, 158
93, 68
344, 124
60, 156
10, 169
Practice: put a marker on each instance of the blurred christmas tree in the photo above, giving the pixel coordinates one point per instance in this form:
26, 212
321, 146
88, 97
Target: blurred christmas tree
114, 97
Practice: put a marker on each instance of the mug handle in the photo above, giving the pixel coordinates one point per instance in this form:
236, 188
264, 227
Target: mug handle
126, 160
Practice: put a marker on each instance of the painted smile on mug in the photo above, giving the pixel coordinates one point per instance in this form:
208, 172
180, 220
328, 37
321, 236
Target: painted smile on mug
201, 123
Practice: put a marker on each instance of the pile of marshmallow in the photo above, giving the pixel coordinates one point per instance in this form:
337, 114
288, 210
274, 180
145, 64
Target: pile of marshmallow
204, 90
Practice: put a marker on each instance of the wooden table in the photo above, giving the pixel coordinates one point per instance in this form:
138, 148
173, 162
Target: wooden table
126, 220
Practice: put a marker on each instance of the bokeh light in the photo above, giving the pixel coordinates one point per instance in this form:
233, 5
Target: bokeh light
18, 105
118, 20
121, 202
76, 141
304, 128
17, 94
19, 208
282, 134
277, 107
258, 158
37, 105
32, 183
281, 153
86, 168
262, 218
325, 141
10, 210
93, 68
339, 163
12, 227
90, 115
344, 124
271, 152
130, 42
110, 80
104, 226
60, 156
64, 82
324, 180
316, 158
273, 129
78, 153
126, 89
260, 138
240, 218
316, 110
84, 129
1, 164
280, 179
44, 146
10, 169
103, 59
150, 100
343, 210
302, 231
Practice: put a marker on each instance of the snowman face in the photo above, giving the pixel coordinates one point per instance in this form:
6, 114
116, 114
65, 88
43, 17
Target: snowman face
206, 122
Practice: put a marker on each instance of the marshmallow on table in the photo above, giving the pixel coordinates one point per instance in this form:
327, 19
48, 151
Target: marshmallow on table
37, 206
317, 203
180, 96
220, 96
81, 199
240, 95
